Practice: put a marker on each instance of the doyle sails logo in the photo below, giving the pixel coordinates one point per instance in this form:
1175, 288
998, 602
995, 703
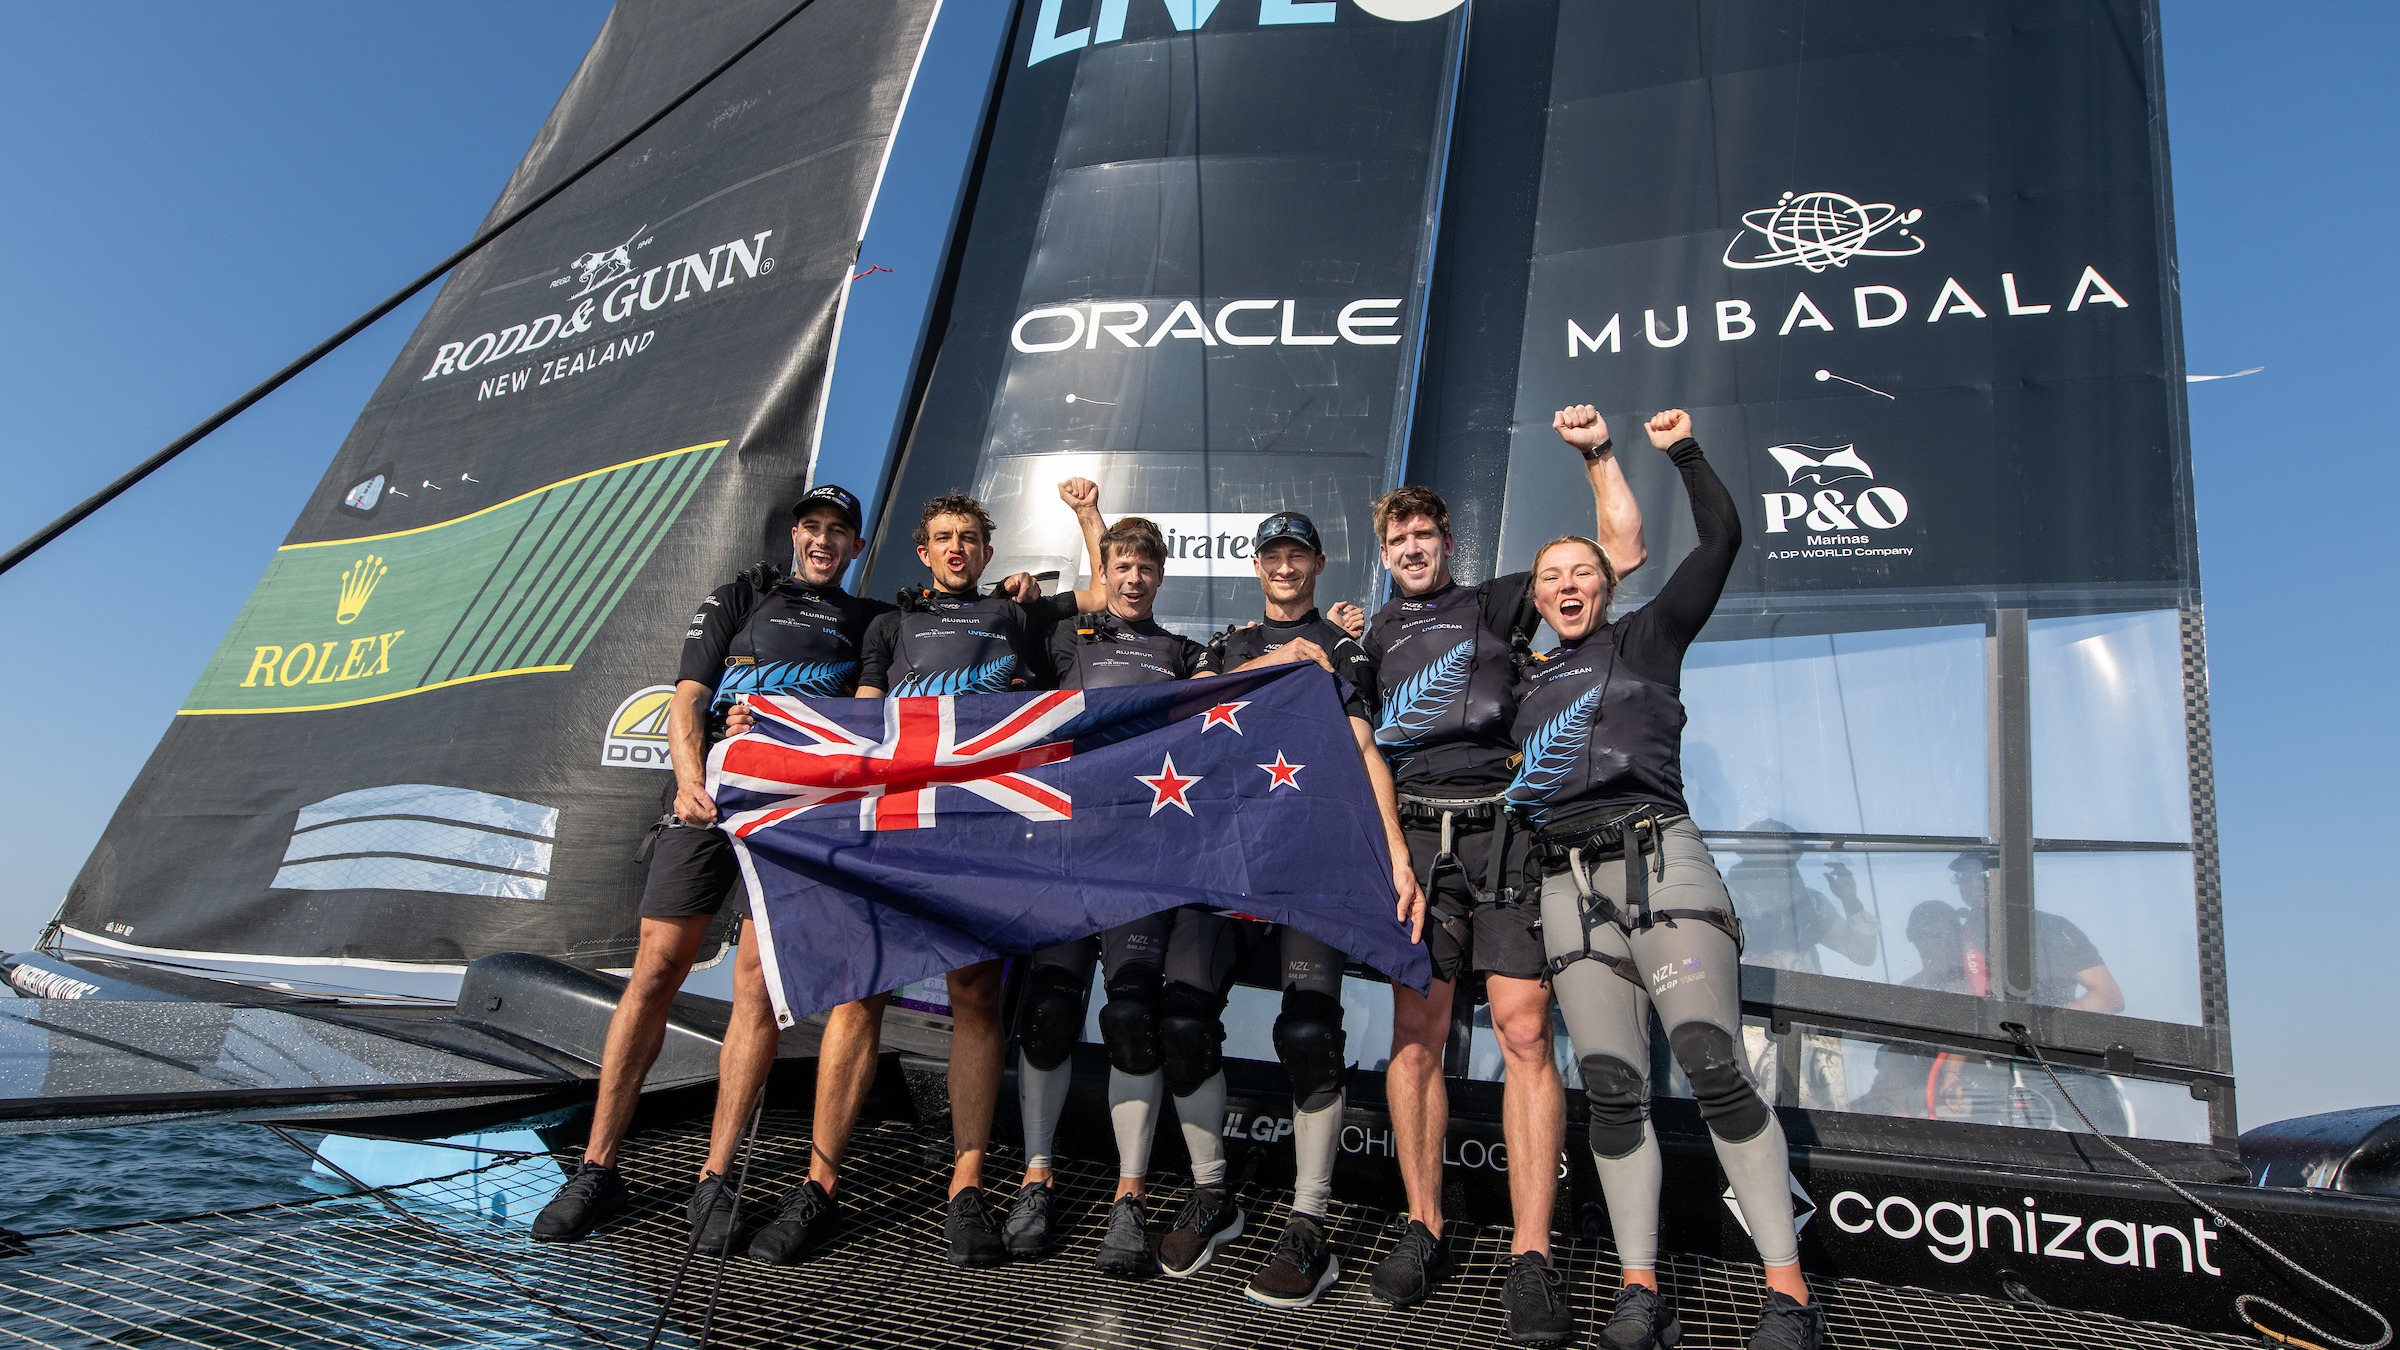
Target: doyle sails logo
1841, 519
637, 730
1819, 232
612, 288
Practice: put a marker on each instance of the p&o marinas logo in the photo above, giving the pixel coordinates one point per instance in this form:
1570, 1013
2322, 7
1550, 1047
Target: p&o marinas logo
611, 288
1825, 504
1821, 232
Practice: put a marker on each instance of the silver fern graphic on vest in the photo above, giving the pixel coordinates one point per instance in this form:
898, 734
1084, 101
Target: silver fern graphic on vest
992, 677
1416, 707
1552, 750
803, 679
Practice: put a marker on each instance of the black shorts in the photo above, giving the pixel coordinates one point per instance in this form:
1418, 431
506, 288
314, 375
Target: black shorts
692, 870
1462, 933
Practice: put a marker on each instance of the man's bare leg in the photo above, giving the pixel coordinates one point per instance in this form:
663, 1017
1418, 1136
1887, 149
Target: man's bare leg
976, 1047
639, 1027
1532, 1104
747, 1057
845, 1072
1419, 1097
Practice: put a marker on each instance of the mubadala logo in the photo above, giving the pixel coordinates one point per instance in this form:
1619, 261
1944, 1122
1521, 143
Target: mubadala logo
1842, 522
611, 291
1237, 323
1819, 232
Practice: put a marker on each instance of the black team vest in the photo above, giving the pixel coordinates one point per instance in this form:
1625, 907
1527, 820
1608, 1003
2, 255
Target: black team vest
1597, 740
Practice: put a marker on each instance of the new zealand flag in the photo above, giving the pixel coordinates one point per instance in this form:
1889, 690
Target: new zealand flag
885, 841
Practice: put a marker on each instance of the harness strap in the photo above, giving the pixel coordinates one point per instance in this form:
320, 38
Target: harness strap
1594, 910
1636, 915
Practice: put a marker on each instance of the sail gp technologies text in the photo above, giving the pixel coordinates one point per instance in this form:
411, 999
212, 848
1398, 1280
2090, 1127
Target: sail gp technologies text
612, 288
1832, 522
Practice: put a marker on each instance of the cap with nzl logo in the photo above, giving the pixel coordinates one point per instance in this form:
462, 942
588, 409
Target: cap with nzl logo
839, 498
1286, 525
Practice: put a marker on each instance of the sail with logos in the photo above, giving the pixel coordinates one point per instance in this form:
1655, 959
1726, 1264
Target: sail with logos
1949, 728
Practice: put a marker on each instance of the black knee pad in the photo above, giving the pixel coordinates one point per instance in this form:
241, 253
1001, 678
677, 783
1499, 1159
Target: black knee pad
1053, 1017
1191, 1030
1733, 1109
1309, 1041
1619, 1104
1129, 1020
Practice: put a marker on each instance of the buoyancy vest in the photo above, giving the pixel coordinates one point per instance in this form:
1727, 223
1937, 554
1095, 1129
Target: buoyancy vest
1595, 738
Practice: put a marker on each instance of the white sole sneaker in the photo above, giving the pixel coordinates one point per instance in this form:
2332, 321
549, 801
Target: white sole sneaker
1208, 1253
1333, 1271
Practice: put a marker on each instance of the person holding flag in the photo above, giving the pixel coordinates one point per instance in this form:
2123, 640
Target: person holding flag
1206, 947
949, 637
1114, 644
766, 631
1635, 915
1447, 656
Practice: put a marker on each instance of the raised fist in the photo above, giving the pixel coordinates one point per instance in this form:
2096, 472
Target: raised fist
1581, 426
1669, 427
1080, 493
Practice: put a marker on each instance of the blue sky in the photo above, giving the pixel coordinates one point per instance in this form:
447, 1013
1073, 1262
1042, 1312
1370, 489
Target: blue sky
198, 193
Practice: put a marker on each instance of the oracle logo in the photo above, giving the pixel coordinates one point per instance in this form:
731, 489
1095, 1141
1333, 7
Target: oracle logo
1236, 323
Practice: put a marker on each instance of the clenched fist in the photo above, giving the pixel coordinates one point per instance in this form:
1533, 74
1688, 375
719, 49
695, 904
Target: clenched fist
1669, 427
1080, 493
1581, 426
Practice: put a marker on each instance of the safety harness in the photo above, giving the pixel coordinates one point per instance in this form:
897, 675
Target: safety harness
1448, 812
1639, 837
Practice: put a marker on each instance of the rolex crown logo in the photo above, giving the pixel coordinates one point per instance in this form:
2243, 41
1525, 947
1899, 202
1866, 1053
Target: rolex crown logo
358, 582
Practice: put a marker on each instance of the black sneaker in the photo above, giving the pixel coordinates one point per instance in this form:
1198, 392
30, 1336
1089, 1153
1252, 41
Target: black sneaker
1027, 1232
1641, 1320
1206, 1222
1300, 1269
806, 1219
590, 1198
1125, 1250
1536, 1299
712, 1216
973, 1240
1785, 1323
1410, 1270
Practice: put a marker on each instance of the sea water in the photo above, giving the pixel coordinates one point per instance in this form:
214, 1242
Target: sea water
86, 1178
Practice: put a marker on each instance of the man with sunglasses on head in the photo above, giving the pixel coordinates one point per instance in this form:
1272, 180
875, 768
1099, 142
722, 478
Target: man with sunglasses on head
1206, 948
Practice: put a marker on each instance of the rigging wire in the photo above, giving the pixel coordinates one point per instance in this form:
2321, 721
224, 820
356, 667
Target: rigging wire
691, 1247
381, 1196
2242, 1303
39, 539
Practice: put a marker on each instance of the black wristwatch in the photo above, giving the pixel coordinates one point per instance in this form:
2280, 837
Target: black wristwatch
1597, 451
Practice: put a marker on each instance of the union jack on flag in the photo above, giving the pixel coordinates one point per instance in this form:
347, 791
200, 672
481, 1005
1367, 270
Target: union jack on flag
885, 841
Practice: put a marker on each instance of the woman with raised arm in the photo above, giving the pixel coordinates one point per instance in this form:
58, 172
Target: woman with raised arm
1635, 914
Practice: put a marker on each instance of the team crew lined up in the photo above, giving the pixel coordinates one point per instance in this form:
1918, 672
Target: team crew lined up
1539, 845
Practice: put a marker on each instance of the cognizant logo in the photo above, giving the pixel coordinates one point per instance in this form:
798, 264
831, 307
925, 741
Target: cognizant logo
1954, 1231
1237, 323
1108, 19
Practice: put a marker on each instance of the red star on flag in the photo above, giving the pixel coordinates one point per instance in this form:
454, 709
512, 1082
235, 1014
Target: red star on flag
1223, 715
1167, 787
1284, 772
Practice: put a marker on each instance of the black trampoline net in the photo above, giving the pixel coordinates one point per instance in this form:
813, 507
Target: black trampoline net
447, 1262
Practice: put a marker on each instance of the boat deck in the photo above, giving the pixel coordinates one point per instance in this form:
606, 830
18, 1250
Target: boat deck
447, 1262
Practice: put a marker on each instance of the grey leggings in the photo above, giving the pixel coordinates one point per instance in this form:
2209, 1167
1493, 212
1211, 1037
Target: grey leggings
1690, 970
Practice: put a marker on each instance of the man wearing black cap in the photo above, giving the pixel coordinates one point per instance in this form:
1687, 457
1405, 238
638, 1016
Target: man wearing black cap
1207, 947
764, 632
